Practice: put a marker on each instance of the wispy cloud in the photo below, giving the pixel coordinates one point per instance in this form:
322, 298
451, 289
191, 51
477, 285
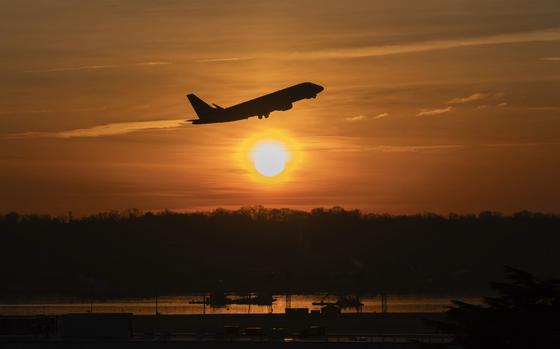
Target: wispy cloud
552, 34
356, 144
476, 97
514, 145
472, 98
364, 117
547, 108
554, 59
50, 111
95, 67
429, 112
381, 116
417, 148
356, 118
154, 63
227, 59
105, 130
63, 69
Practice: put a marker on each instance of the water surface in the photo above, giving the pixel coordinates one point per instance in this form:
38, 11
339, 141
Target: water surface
181, 305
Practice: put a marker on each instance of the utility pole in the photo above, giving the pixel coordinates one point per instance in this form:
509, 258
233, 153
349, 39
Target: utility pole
384, 304
157, 305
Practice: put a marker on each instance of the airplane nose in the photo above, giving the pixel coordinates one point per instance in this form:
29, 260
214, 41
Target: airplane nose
319, 88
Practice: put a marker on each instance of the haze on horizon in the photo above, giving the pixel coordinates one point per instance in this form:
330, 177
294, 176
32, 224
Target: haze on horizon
441, 106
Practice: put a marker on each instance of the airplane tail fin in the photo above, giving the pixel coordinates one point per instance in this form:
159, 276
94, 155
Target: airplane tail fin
202, 109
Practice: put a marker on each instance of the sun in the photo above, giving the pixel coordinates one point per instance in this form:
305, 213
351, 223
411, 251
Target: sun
270, 157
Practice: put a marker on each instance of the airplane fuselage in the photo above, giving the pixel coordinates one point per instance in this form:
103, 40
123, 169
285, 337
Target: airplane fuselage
261, 107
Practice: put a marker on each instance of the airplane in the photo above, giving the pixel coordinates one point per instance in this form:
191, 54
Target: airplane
261, 106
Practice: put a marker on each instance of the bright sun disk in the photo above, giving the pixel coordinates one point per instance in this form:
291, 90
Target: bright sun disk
270, 158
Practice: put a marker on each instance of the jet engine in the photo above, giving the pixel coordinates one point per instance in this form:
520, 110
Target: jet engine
285, 106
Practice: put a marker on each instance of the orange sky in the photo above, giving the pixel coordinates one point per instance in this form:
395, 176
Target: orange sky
442, 106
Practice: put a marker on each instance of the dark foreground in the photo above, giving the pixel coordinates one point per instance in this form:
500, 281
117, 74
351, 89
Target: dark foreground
404, 330
122, 255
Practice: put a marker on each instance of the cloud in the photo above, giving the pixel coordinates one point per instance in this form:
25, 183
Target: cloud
228, 59
553, 59
503, 104
513, 145
63, 69
341, 144
153, 63
356, 118
348, 144
548, 35
476, 97
440, 147
472, 98
381, 116
428, 112
95, 67
364, 117
105, 130
51, 111
544, 108
417, 148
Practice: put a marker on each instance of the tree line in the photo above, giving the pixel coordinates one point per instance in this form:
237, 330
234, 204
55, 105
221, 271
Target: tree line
135, 253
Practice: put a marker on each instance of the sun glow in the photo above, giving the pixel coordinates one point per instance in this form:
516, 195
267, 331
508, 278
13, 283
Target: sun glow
270, 157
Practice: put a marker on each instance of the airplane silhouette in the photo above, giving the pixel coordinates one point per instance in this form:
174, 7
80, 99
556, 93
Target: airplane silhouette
261, 106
